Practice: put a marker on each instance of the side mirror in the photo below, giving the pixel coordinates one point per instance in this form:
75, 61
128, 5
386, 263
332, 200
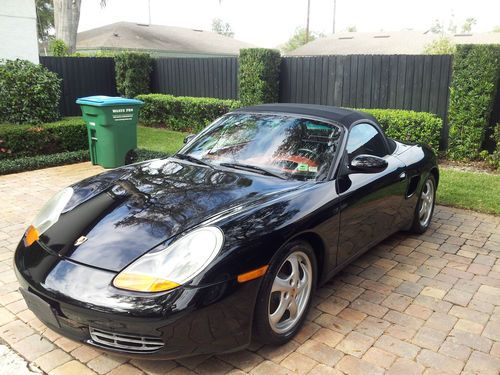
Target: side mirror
188, 138
368, 164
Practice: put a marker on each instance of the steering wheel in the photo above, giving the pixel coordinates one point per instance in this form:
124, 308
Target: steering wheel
307, 153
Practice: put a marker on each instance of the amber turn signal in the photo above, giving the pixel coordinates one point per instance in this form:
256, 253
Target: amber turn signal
31, 236
142, 283
247, 276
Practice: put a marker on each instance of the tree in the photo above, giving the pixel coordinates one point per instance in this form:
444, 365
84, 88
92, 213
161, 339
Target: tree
452, 27
496, 29
467, 26
66, 19
299, 39
437, 27
440, 46
352, 29
44, 19
222, 28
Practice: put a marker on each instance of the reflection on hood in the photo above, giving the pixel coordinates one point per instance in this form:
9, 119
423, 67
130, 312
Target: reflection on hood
138, 207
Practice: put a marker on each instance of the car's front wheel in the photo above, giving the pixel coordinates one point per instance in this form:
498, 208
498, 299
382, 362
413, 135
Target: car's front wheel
285, 295
425, 206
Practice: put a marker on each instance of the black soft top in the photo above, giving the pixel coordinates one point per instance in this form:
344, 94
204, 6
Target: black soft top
343, 116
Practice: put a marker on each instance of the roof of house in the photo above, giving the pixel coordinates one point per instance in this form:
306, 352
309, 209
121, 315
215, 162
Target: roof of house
128, 35
343, 116
398, 43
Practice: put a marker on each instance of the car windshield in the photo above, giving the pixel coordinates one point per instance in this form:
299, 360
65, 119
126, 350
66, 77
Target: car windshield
283, 145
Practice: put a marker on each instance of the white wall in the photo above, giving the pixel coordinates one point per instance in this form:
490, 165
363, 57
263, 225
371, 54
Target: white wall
18, 35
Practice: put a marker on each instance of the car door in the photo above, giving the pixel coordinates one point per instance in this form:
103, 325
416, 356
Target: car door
369, 202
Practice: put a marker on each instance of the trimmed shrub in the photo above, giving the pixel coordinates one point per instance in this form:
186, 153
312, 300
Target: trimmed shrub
259, 76
143, 154
29, 93
409, 126
493, 159
29, 140
133, 73
476, 70
182, 113
30, 163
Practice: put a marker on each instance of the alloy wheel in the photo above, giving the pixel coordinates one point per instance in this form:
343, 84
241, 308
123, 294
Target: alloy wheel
290, 292
426, 203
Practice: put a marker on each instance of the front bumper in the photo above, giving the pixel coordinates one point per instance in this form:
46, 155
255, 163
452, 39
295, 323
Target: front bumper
179, 323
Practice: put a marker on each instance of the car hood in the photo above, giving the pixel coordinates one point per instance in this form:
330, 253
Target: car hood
124, 213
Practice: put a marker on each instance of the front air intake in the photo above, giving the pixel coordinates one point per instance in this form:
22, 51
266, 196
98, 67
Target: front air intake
130, 343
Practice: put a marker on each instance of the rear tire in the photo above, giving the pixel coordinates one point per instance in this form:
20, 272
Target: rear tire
425, 206
285, 294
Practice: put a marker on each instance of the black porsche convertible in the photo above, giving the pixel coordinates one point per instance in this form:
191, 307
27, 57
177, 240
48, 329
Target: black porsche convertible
227, 239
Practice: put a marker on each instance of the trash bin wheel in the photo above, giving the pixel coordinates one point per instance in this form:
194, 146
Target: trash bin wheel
130, 157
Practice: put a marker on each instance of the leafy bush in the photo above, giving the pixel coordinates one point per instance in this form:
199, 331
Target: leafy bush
57, 47
494, 158
476, 70
409, 126
133, 72
30, 140
30, 163
143, 154
440, 46
29, 93
259, 75
182, 113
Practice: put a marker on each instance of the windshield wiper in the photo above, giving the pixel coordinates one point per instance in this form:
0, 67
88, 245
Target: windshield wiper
252, 168
193, 159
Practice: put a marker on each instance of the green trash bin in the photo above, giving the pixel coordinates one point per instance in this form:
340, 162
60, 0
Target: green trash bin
111, 128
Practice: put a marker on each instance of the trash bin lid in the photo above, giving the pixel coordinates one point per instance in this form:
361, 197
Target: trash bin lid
105, 101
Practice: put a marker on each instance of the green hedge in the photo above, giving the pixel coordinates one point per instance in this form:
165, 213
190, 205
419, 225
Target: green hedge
133, 73
259, 75
182, 113
29, 93
493, 159
143, 154
476, 70
409, 126
30, 163
29, 140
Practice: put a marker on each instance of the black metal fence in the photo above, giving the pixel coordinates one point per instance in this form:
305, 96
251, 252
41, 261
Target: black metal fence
81, 76
215, 77
416, 82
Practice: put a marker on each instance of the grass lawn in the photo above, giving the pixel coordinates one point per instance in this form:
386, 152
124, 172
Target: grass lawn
159, 139
472, 190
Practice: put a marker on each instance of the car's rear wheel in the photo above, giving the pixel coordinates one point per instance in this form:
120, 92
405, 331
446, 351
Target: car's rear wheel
425, 206
285, 295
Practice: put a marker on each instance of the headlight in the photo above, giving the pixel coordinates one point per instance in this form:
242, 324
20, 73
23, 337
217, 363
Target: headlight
174, 265
48, 216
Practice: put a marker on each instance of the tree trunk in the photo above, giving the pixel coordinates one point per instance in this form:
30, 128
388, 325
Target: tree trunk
66, 19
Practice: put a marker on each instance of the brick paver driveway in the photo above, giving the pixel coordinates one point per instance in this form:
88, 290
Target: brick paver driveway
414, 304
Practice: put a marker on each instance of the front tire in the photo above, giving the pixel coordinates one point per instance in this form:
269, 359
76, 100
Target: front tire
425, 206
285, 294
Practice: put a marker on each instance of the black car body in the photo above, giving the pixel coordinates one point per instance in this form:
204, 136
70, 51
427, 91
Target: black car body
125, 213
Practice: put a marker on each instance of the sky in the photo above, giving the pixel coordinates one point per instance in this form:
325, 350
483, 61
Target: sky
269, 23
